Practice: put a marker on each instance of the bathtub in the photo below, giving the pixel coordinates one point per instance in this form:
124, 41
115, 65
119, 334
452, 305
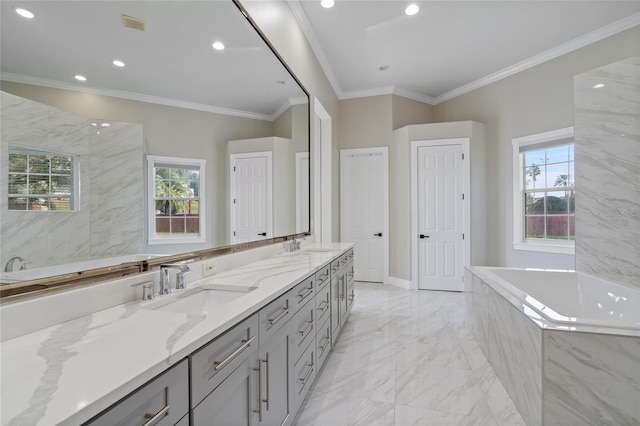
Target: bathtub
565, 345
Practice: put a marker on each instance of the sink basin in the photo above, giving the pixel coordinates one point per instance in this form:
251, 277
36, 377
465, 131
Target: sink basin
202, 302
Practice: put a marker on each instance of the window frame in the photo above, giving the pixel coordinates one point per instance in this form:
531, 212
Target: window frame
74, 193
153, 238
548, 139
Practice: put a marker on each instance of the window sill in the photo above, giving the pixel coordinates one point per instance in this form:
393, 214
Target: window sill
159, 241
546, 246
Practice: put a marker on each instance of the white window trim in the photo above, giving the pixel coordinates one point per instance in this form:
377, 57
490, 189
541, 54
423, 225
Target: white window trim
74, 201
153, 239
519, 242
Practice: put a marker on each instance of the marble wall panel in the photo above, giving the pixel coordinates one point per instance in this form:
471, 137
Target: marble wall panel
515, 353
110, 219
591, 379
607, 155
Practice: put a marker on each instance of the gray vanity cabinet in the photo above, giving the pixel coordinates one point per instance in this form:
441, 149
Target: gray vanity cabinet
235, 401
341, 285
161, 402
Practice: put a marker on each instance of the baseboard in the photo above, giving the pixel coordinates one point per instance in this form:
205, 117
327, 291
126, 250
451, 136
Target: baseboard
399, 282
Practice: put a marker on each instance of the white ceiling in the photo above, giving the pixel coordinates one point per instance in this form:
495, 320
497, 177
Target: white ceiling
171, 63
449, 47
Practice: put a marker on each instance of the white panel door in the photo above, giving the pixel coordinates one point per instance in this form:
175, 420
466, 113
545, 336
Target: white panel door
250, 198
362, 183
440, 218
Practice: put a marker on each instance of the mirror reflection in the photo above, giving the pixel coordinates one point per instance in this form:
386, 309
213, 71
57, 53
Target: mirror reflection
138, 129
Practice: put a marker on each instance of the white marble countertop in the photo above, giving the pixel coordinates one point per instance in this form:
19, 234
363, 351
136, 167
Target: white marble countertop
68, 373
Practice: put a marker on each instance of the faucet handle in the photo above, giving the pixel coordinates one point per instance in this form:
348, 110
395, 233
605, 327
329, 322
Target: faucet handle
180, 282
147, 290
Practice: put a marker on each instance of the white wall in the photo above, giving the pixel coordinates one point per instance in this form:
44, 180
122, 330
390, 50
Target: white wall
533, 101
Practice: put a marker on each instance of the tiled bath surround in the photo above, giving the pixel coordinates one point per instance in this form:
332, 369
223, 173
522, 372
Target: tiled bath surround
555, 377
607, 144
110, 169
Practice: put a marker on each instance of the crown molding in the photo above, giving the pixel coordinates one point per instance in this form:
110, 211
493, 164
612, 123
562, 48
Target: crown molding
575, 44
305, 25
56, 84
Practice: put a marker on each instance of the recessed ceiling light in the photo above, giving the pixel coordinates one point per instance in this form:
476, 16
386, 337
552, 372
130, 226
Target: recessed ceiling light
598, 86
94, 124
24, 12
327, 3
118, 63
80, 77
218, 46
105, 125
412, 9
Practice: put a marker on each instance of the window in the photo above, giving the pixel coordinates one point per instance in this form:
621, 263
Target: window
42, 181
176, 201
544, 192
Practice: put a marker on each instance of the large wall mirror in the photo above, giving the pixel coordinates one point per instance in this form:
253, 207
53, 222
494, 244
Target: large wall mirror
136, 130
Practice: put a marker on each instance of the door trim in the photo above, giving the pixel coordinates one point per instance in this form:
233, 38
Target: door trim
232, 190
321, 223
466, 210
384, 151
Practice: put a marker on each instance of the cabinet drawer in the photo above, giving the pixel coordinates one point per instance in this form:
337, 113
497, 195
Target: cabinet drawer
273, 316
303, 292
165, 399
303, 329
323, 342
304, 373
211, 364
322, 276
323, 304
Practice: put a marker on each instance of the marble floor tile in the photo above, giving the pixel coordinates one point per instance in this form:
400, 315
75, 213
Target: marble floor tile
407, 357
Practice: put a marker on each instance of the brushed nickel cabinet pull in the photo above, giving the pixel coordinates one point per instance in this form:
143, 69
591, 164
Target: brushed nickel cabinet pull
284, 312
155, 418
306, 293
306, 331
306, 377
245, 344
260, 400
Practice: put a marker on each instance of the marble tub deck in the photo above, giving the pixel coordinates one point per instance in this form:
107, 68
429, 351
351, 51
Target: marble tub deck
407, 357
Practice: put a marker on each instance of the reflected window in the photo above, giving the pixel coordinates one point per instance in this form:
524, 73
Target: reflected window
176, 202
544, 211
42, 181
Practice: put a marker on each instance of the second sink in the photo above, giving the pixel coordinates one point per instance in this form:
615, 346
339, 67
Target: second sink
201, 302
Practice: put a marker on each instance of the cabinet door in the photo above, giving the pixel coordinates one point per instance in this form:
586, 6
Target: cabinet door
274, 386
235, 401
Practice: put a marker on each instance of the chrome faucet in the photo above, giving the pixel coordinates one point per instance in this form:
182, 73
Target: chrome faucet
8, 267
294, 246
165, 284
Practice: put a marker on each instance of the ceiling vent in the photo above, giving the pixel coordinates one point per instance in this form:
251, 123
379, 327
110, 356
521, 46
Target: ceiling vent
133, 23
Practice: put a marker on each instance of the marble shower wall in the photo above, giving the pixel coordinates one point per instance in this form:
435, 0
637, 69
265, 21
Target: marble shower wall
109, 221
607, 141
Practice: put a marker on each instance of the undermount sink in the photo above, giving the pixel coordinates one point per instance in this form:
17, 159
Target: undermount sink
201, 301
319, 250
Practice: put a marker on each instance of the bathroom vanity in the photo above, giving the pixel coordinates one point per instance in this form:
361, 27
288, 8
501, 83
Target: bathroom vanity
241, 346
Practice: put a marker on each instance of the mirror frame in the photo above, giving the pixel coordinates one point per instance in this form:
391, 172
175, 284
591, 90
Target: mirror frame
33, 288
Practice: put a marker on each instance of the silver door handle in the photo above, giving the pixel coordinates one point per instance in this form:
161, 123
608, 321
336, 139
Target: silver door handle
306, 331
325, 306
266, 361
306, 377
284, 312
260, 400
323, 347
155, 418
306, 293
245, 344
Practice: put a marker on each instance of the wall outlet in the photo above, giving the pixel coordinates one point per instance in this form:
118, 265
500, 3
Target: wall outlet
208, 268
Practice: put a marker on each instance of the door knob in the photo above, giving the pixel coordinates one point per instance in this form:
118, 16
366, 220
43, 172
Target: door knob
264, 234
423, 236
379, 234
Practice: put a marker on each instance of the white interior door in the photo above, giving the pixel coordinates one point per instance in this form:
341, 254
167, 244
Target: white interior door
250, 197
363, 205
302, 192
440, 217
